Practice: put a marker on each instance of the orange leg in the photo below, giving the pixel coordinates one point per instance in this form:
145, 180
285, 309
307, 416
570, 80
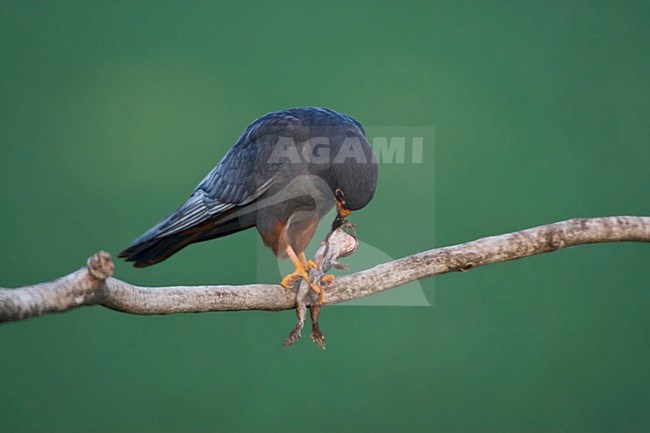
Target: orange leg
309, 264
302, 271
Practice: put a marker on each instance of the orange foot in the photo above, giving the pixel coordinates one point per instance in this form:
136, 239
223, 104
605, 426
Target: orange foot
327, 280
302, 271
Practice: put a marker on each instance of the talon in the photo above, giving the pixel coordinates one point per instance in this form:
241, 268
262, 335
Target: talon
311, 265
318, 290
290, 279
326, 280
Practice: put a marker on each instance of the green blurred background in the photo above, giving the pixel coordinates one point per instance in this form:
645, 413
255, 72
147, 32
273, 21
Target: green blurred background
113, 111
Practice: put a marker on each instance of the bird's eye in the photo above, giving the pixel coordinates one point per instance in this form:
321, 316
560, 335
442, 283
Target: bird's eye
339, 194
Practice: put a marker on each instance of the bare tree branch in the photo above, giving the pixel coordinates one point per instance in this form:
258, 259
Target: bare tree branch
94, 285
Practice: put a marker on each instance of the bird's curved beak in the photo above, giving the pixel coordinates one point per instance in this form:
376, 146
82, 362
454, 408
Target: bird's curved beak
343, 212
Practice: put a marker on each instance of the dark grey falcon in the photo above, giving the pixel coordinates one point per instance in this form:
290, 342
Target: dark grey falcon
285, 172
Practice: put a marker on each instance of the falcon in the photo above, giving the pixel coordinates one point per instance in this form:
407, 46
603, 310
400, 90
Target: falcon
285, 172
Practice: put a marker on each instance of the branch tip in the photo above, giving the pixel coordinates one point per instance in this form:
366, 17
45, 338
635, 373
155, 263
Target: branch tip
100, 266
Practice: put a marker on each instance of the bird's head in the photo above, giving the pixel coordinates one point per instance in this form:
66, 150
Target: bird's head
354, 183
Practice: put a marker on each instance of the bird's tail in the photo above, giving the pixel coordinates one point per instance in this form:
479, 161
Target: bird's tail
155, 250
157, 245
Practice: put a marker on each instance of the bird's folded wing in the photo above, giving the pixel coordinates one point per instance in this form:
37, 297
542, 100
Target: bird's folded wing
199, 208
241, 177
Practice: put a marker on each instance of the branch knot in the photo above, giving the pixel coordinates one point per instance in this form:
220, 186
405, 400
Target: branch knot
100, 266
